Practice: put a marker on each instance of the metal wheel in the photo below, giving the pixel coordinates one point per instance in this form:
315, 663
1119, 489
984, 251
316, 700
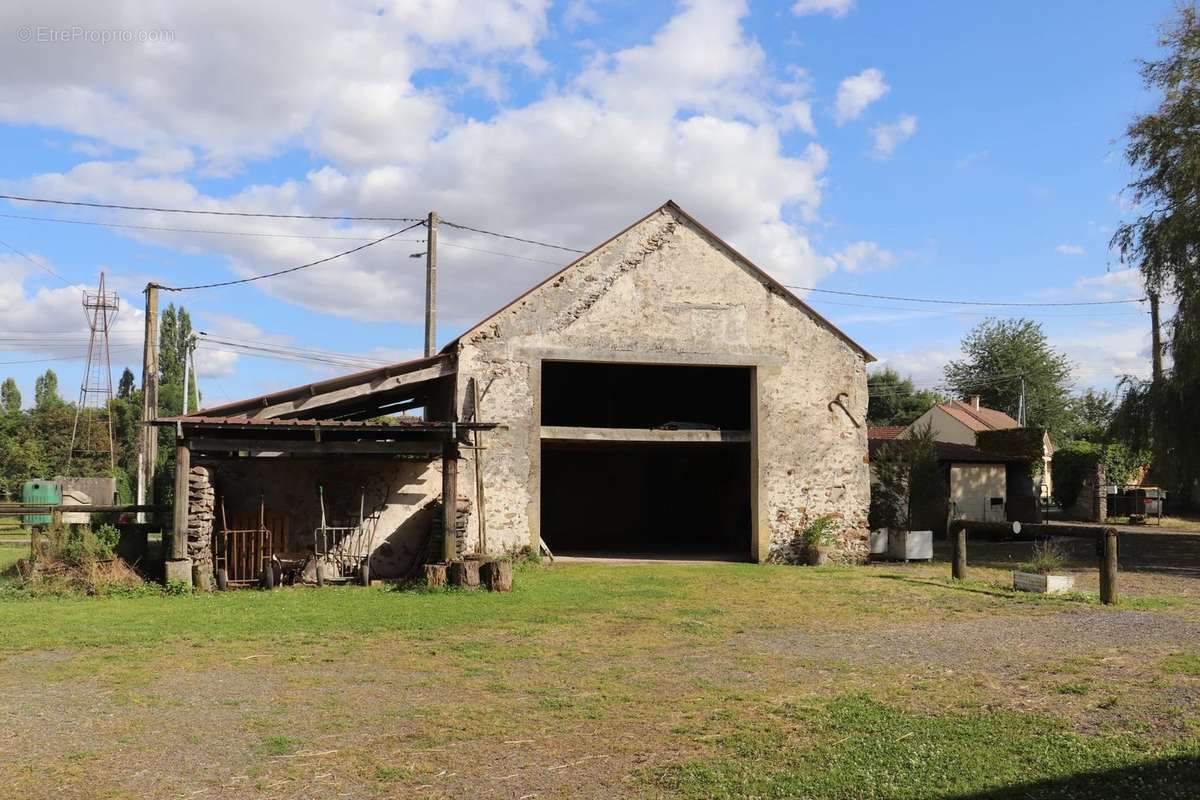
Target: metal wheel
222, 579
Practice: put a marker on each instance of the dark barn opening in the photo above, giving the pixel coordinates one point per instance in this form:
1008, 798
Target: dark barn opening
646, 460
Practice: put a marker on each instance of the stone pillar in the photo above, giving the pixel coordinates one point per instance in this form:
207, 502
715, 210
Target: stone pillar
1100, 495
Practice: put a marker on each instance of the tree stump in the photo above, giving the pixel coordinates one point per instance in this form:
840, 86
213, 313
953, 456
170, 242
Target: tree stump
497, 576
464, 574
435, 575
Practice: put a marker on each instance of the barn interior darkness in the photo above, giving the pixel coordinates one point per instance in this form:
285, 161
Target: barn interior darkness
614, 497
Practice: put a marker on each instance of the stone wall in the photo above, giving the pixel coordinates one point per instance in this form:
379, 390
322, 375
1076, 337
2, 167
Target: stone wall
201, 500
665, 291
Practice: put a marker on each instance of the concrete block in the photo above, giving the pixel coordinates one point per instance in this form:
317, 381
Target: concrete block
179, 570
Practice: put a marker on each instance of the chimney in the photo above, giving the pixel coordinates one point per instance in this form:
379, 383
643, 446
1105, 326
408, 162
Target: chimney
975, 402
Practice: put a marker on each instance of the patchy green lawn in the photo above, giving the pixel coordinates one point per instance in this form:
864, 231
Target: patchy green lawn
720, 680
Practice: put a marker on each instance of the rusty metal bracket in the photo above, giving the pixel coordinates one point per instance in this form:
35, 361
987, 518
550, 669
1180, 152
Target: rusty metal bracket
837, 401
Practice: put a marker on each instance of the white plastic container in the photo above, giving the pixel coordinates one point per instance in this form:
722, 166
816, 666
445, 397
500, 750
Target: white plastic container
910, 545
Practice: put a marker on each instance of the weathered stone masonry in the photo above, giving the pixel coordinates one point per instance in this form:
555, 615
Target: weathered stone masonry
667, 291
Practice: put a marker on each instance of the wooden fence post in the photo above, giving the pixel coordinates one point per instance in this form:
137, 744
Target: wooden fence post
1108, 567
959, 564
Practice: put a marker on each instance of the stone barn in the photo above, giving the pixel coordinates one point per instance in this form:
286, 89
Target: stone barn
661, 396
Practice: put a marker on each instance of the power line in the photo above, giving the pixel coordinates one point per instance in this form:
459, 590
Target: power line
977, 313
35, 262
292, 269
169, 228
498, 253
262, 215
506, 236
966, 302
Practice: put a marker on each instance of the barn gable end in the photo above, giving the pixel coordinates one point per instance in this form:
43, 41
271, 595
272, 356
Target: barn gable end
688, 318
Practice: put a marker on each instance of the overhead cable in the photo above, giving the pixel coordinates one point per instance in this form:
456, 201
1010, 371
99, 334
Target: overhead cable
277, 273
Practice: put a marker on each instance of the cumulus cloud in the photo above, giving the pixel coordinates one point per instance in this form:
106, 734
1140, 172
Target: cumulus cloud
836, 8
695, 114
863, 255
857, 92
335, 77
889, 136
1115, 285
1070, 250
48, 324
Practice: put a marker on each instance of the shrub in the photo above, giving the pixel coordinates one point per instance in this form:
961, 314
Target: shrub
1047, 558
820, 532
1074, 463
909, 490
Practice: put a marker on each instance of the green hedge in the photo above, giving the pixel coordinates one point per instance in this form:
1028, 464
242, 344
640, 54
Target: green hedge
1073, 463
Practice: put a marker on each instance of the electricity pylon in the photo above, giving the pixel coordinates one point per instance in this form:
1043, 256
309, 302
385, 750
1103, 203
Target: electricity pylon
92, 433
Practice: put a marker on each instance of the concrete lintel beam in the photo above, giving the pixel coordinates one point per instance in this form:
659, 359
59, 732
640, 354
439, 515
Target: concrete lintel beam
570, 433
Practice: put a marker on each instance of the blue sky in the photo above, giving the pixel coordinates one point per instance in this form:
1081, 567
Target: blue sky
932, 149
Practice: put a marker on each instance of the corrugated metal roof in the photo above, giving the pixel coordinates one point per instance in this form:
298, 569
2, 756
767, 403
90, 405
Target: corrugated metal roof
242, 407
398, 424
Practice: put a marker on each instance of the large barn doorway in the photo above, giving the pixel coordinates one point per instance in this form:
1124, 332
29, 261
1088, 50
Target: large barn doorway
650, 461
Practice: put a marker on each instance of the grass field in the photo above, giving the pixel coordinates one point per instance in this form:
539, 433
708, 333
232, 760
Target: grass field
720, 680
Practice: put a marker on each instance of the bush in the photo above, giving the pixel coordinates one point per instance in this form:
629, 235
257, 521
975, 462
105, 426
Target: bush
1074, 463
820, 532
908, 491
1048, 557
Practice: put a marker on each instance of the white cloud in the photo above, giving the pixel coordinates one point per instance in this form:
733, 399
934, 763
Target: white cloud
1070, 250
1115, 285
336, 77
48, 325
888, 137
857, 92
836, 8
863, 255
695, 115
579, 12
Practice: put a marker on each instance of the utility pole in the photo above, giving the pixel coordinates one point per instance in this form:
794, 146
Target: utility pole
1021, 403
147, 434
1155, 340
188, 347
431, 285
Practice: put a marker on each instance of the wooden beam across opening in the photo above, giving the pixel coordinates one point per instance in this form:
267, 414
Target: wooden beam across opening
311, 448
571, 433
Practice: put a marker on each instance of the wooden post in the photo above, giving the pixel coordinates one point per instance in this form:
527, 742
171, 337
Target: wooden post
183, 467
148, 434
431, 285
1108, 567
449, 499
480, 505
959, 566
1155, 341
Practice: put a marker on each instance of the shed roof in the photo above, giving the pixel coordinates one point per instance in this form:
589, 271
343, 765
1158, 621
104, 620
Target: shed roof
346, 398
674, 208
